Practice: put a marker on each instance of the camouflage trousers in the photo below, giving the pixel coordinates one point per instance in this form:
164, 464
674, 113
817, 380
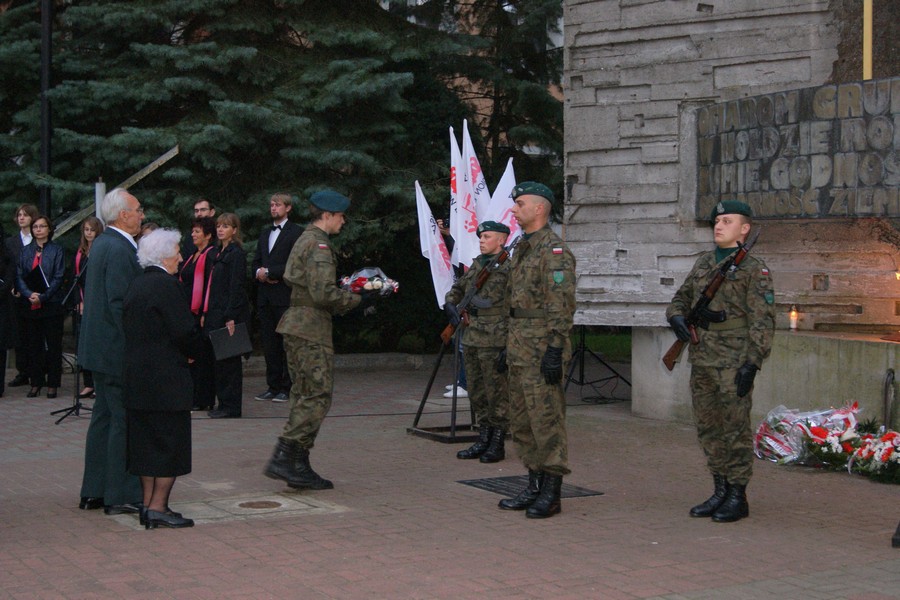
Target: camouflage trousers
537, 418
488, 390
311, 367
723, 423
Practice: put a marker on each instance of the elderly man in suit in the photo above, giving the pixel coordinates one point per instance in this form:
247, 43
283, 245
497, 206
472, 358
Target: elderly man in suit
273, 296
101, 348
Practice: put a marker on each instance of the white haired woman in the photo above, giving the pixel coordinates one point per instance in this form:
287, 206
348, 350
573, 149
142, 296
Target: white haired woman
160, 338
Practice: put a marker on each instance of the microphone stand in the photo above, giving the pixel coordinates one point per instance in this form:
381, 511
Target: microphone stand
77, 406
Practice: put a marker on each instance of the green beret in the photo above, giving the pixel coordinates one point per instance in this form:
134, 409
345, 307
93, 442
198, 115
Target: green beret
330, 201
730, 207
535, 189
492, 226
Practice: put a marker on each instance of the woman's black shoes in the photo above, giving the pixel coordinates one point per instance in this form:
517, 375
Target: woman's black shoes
154, 519
51, 393
33, 392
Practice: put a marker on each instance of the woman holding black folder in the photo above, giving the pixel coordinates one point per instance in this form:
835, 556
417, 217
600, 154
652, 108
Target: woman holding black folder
39, 277
226, 305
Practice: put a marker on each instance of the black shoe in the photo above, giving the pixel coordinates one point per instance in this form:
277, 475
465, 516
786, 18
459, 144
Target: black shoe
707, 508
221, 414
131, 508
33, 392
143, 515
479, 447
303, 477
90, 503
548, 501
156, 519
18, 381
526, 497
51, 393
734, 507
280, 397
266, 395
495, 452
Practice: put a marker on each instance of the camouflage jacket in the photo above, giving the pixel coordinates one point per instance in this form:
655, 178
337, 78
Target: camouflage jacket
487, 326
315, 295
541, 298
748, 299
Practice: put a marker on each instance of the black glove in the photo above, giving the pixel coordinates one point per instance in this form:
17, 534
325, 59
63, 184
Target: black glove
679, 326
744, 378
551, 365
452, 313
369, 297
501, 366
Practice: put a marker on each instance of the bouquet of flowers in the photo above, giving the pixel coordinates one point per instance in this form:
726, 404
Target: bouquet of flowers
369, 278
829, 439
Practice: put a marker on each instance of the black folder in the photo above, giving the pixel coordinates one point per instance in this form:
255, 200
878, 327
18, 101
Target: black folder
36, 280
226, 346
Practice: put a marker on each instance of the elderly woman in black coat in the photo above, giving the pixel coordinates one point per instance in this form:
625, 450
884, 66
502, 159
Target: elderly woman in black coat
160, 338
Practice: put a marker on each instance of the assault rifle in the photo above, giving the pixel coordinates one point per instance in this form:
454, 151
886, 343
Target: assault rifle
700, 314
467, 299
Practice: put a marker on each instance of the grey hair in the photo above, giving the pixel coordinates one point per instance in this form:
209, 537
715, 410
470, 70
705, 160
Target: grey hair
157, 246
112, 204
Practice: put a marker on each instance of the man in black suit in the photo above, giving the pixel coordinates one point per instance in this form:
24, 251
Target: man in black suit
273, 296
101, 348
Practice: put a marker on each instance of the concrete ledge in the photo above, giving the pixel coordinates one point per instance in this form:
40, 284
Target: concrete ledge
806, 370
256, 365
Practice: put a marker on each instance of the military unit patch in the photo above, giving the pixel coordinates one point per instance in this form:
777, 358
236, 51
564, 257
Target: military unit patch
558, 276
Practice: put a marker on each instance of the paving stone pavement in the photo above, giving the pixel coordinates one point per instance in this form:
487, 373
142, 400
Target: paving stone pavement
399, 525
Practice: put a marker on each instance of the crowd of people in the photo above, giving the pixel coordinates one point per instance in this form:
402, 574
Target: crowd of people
145, 311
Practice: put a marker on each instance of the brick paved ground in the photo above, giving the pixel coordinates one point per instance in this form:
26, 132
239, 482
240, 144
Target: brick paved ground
398, 525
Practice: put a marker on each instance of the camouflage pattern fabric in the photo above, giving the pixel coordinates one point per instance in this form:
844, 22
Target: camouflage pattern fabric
311, 367
723, 423
538, 421
488, 390
722, 418
487, 327
542, 289
746, 293
315, 295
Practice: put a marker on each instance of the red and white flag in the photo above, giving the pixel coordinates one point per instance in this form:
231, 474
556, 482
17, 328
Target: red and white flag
464, 221
501, 203
433, 248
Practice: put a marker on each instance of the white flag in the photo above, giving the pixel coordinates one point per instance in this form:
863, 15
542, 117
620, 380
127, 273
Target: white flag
480, 193
456, 220
502, 203
464, 230
433, 248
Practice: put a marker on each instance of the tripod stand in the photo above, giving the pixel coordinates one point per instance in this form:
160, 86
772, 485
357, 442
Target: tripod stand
578, 355
77, 405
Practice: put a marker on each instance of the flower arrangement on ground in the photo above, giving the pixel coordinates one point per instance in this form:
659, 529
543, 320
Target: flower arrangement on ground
831, 439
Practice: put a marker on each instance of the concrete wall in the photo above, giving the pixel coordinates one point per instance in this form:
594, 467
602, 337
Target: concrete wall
636, 71
806, 371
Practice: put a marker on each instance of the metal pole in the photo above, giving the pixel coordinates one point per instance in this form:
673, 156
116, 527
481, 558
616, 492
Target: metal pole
46, 127
867, 39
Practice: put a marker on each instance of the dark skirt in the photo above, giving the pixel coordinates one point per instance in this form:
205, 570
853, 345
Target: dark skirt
159, 442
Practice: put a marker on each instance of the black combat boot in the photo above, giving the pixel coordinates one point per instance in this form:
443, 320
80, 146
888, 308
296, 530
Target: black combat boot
526, 497
495, 451
304, 478
548, 502
735, 506
715, 501
281, 465
478, 448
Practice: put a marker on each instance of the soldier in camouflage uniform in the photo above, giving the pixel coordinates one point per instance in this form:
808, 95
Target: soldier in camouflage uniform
306, 327
725, 361
542, 308
485, 340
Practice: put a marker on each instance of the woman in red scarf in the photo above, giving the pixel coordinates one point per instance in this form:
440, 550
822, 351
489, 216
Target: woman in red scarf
194, 276
90, 229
